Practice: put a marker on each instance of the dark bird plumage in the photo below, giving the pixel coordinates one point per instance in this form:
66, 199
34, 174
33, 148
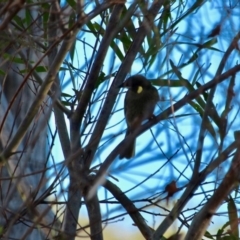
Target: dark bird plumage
139, 104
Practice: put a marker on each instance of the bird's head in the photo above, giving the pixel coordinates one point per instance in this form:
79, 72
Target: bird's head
136, 83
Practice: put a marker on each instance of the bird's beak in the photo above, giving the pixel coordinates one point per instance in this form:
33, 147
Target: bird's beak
123, 85
120, 86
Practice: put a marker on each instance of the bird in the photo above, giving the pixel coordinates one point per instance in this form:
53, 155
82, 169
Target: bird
139, 104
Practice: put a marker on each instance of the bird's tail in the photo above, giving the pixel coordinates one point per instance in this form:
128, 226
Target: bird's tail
129, 152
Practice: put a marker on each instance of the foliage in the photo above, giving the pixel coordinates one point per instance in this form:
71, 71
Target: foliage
61, 67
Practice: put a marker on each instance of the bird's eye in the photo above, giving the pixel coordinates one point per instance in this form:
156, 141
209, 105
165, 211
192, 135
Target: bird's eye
139, 89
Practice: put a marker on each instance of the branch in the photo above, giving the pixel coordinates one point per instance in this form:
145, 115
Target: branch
10, 10
58, 113
111, 96
40, 97
130, 208
123, 144
202, 219
209, 106
188, 193
121, 74
75, 185
68, 39
39, 80
110, 33
92, 205
95, 218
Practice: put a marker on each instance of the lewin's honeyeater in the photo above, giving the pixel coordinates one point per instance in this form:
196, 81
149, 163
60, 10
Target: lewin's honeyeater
139, 104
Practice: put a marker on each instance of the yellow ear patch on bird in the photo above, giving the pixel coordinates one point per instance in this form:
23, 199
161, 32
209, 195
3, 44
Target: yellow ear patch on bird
140, 89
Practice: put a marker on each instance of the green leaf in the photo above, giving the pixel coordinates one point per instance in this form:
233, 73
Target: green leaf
66, 103
171, 83
70, 69
98, 29
101, 79
12, 58
72, 3
66, 95
18, 20
205, 94
45, 18
91, 26
129, 32
72, 50
72, 19
230, 237
195, 77
220, 233
166, 15
117, 50
208, 235
41, 69
233, 217
2, 72
28, 17
208, 125
197, 107
126, 41
230, 96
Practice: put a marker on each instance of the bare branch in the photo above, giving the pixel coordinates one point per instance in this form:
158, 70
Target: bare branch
122, 145
130, 208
